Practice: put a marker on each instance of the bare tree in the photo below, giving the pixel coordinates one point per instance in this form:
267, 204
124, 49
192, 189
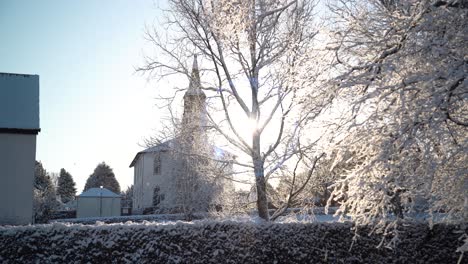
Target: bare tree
259, 61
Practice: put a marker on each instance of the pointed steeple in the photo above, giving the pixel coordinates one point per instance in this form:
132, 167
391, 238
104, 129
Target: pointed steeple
194, 117
195, 85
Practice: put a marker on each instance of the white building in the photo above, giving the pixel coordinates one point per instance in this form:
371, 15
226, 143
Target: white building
153, 168
97, 202
158, 169
19, 126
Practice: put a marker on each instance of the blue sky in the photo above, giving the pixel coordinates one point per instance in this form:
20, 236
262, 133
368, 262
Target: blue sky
93, 106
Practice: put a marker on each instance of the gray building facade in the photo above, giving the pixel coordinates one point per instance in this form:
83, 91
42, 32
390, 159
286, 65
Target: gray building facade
19, 126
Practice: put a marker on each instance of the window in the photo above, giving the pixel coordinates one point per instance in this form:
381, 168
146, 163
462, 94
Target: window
157, 164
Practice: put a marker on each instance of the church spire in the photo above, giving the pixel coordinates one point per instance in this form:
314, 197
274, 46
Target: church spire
194, 117
195, 85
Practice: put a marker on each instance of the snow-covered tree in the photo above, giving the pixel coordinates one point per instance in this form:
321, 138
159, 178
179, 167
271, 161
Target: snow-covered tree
259, 58
404, 64
54, 176
66, 186
42, 179
103, 176
45, 200
313, 186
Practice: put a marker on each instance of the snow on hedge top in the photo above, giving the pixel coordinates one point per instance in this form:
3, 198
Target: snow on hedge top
98, 192
19, 101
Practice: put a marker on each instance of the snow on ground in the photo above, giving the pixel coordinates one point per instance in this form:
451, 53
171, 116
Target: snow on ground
180, 217
293, 215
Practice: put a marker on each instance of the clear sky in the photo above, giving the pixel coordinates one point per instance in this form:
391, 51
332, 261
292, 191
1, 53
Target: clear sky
93, 106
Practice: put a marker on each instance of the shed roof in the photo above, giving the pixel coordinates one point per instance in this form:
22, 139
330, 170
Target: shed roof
98, 192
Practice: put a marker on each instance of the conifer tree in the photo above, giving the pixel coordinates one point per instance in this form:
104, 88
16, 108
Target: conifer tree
103, 176
45, 201
66, 186
41, 177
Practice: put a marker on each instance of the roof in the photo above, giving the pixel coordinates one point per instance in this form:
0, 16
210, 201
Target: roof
19, 103
165, 146
98, 192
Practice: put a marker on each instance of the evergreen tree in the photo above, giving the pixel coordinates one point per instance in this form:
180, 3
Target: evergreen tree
66, 186
45, 201
41, 177
103, 176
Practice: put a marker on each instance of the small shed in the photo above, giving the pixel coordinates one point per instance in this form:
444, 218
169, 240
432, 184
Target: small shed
98, 202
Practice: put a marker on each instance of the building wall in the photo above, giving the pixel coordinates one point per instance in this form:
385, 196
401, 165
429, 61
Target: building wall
137, 185
17, 157
19, 101
146, 180
98, 206
165, 179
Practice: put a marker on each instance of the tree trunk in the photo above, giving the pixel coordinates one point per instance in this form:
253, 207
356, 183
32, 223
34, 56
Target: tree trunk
262, 202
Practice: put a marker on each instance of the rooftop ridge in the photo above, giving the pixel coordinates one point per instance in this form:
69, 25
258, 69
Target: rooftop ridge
17, 74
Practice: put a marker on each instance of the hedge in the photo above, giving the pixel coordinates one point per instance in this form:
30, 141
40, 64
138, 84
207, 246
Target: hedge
224, 242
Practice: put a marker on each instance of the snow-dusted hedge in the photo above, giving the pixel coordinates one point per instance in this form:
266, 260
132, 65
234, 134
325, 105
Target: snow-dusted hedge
221, 242
123, 219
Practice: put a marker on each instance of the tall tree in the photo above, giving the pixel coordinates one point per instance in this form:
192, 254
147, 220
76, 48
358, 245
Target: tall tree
66, 186
103, 176
42, 179
45, 201
258, 57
